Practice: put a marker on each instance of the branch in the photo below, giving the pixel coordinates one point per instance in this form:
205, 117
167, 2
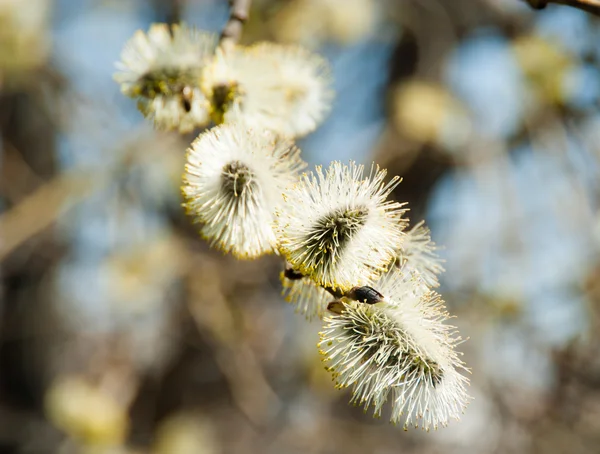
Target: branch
591, 6
174, 11
40, 209
239, 11
169, 11
363, 294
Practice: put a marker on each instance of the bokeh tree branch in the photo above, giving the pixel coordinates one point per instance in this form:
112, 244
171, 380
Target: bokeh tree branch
239, 11
591, 6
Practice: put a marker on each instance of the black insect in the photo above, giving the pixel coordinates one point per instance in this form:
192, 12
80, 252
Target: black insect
365, 294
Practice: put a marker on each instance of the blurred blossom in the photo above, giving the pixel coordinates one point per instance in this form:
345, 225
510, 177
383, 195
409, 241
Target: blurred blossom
427, 113
132, 177
131, 278
130, 291
185, 433
24, 37
312, 22
161, 69
140, 274
546, 66
86, 412
283, 88
485, 75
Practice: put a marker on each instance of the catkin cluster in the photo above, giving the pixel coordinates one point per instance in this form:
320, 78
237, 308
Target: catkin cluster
350, 259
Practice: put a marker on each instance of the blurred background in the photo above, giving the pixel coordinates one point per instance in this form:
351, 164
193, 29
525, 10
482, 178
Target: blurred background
122, 332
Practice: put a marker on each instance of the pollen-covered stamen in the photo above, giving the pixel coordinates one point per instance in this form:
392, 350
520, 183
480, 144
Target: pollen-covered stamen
332, 232
338, 228
428, 369
233, 183
398, 349
308, 298
419, 253
237, 179
388, 347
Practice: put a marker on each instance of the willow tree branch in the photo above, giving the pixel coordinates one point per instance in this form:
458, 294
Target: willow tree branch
363, 294
175, 11
238, 15
169, 11
591, 6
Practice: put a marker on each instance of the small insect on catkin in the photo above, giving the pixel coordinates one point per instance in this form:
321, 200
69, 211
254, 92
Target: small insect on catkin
162, 70
233, 182
401, 348
337, 227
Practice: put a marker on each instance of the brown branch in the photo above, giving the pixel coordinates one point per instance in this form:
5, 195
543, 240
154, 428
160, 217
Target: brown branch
591, 6
362, 294
169, 11
232, 32
175, 11
40, 209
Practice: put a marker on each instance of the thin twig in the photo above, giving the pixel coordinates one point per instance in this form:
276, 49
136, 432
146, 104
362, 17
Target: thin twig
38, 210
232, 32
169, 11
363, 294
174, 14
41, 209
591, 6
